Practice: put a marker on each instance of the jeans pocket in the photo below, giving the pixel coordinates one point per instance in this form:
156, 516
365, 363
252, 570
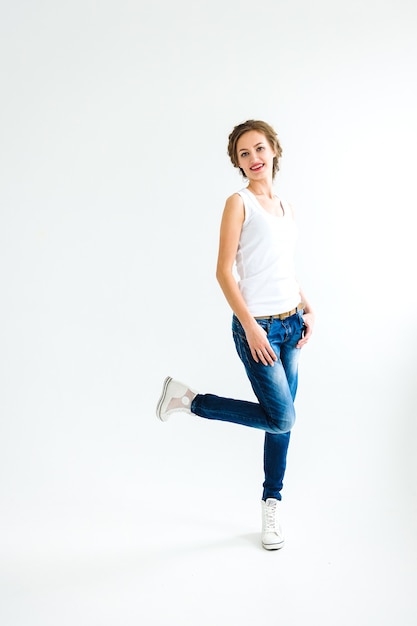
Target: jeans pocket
301, 323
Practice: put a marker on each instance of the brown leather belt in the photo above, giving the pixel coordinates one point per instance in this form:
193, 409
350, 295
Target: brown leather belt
282, 316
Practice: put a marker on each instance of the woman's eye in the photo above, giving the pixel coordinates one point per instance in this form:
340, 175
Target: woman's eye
261, 148
244, 154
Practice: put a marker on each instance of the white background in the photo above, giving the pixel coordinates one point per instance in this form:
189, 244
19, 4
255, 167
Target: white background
114, 173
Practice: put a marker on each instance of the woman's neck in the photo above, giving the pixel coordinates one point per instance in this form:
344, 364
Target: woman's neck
261, 188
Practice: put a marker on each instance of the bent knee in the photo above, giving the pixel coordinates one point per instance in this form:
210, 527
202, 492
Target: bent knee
282, 423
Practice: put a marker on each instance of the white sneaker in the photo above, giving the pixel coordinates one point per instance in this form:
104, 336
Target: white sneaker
175, 397
272, 537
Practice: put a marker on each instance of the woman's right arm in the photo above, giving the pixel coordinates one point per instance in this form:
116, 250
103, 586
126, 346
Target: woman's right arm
230, 230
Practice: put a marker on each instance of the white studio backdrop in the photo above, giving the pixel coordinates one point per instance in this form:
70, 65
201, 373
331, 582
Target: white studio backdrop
114, 173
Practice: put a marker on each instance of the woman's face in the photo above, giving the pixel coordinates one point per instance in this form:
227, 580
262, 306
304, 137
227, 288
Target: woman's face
255, 155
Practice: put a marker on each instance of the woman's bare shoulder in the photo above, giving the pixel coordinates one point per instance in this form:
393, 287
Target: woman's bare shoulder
234, 210
234, 201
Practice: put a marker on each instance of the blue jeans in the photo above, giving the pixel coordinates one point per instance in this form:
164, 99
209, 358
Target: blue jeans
275, 388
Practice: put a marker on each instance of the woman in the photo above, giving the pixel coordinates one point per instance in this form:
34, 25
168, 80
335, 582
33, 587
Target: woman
272, 318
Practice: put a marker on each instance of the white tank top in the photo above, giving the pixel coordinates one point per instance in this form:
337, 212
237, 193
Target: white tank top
265, 259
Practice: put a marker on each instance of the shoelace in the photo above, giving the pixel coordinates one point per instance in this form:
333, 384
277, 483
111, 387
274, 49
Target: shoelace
270, 517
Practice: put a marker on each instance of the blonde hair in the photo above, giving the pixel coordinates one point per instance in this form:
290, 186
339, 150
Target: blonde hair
261, 127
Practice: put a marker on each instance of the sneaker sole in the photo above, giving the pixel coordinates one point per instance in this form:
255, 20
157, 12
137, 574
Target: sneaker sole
162, 398
273, 546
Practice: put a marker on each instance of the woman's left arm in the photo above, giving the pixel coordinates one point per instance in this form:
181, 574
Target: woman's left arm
308, 319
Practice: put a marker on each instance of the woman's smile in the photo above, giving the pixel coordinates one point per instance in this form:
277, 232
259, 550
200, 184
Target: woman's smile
257, 167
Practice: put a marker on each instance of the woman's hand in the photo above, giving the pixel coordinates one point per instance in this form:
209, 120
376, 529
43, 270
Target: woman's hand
259, 345
308, 319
